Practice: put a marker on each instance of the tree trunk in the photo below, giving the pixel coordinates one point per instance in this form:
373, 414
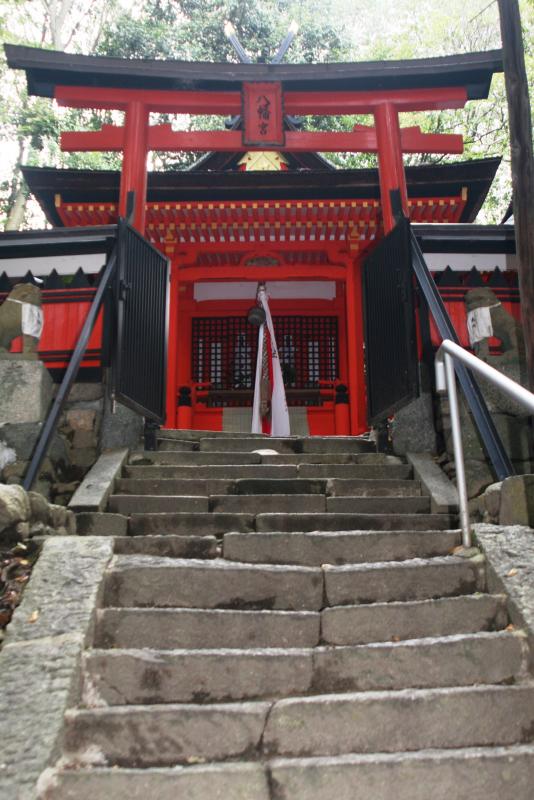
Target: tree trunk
16, 214
522, 166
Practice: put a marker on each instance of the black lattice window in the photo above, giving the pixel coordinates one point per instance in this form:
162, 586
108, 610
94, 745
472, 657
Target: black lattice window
225, 350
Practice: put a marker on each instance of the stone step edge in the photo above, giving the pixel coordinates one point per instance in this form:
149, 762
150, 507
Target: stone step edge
499, 598
120, 562
320, 649
243, 774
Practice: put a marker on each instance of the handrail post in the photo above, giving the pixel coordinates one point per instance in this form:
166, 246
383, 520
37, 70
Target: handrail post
454, 411
446, 380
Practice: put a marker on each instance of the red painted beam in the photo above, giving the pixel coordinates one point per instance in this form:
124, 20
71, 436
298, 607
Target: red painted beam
281, 273
224, 103
163, 138
337, 103
413, 140
108, 138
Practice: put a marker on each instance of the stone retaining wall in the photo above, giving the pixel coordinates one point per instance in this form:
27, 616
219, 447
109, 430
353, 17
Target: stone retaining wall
73, 451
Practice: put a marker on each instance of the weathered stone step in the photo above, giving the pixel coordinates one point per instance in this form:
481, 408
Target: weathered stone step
196, 485
460, 660
336, 470
378, 505
481, 773
355, 547
265, 503
407, 720
168, 486
378, 487
382, 622
489, 773
189, 524
146, 504
195, 457
277, 522
169, 546
319, 444
175, 444
243, 444
197, 435
165, 582
307, 458
337, 444
231, 781
147, 736
341, 625
210, 472
159, 735
133, 676
197, 628
276, 486
416, 579
373, 459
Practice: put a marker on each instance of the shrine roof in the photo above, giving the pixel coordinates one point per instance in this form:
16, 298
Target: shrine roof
461, 238
58, 241
102, 186
46, 69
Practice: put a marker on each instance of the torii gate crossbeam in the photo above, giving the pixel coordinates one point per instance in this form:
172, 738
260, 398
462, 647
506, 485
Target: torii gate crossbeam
262, 106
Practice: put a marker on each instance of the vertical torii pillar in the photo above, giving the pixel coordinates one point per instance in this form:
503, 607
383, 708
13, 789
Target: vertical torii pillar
391, 166
134, 169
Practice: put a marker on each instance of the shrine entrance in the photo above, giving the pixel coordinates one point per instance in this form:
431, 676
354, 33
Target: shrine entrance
308, 253
220, 363
312, 239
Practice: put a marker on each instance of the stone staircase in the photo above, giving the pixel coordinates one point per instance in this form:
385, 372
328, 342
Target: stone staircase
295, 626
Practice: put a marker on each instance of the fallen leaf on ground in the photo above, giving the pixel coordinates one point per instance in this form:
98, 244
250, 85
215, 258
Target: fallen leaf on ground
511, 573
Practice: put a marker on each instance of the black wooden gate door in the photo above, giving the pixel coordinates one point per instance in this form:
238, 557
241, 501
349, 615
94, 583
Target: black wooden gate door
389, 325
140, 363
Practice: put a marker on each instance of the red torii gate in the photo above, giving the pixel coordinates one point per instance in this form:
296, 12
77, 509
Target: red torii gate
263, 106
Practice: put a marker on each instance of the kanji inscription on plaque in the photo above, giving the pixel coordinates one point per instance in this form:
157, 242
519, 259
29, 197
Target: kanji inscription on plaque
262, 114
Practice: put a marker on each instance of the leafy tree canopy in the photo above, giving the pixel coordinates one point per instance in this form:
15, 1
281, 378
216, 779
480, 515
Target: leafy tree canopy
329, 30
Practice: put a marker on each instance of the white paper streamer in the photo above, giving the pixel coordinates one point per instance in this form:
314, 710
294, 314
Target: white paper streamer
279, 410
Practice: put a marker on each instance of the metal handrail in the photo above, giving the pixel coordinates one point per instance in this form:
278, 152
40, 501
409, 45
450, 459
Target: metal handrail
481, 417
50, 424
448, 353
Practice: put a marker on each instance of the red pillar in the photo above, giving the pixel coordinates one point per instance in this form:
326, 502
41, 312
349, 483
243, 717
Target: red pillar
390, 162
134, 173
356, 375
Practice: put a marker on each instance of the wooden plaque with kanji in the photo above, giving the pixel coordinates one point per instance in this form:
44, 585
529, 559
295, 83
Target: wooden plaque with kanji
263, 115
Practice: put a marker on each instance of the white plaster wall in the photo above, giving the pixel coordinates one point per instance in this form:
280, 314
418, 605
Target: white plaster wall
43, 265
280, 290
463, 262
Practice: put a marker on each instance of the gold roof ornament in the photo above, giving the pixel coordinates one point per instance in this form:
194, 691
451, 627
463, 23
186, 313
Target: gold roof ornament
263, 161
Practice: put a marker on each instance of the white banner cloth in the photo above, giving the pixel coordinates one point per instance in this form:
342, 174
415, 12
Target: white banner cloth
279, 410
32, 318
479, 325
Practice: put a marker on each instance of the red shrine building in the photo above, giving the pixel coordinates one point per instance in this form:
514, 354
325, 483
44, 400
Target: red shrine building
261, 204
